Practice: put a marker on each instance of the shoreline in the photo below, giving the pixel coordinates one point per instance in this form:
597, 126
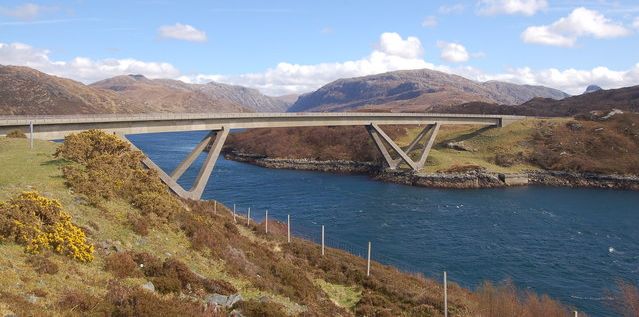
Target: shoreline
463, 180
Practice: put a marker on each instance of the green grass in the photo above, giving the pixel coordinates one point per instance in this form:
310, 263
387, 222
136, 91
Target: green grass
37, 169
486, 142
343, 296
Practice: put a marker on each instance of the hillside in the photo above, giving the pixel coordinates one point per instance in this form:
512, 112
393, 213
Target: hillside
27, 91
609, 146
415, 91
625, 99
176, 96
153, 255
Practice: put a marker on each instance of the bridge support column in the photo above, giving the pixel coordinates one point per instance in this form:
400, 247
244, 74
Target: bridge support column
380, 137
203, 176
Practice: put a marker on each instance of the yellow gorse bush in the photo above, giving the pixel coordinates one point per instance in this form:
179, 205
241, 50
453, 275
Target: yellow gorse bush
40, 224
107, 167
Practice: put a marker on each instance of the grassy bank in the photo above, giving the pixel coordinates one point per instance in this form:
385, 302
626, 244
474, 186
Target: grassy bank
595, 145
195, 251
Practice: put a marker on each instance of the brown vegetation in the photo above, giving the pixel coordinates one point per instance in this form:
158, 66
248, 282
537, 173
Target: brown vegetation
316, 143
600, 146
16, 134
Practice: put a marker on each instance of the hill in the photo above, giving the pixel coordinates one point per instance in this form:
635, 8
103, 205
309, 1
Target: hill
151, 254
27, 91
625, 99
415, 91
177, 96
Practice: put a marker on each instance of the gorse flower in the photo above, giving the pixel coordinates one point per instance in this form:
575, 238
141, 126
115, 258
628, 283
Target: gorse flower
40, 224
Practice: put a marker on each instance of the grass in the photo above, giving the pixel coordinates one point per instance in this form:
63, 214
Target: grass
343, 296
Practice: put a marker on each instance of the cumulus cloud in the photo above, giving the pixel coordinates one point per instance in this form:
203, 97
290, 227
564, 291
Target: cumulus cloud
430, 21
392, 52
453, 52
525, 7
183, 32
635, 23
81, 68
579, 23
27, 11
571, 80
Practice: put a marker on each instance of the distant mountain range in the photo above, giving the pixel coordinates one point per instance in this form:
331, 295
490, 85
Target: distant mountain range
169, 95
24, 91
27, 91
415, 91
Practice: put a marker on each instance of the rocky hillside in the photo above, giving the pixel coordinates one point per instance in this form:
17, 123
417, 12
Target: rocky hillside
176, 96
625, 99
27, 91
415, 90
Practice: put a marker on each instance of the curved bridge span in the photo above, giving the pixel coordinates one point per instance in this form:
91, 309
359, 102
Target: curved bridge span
219, 125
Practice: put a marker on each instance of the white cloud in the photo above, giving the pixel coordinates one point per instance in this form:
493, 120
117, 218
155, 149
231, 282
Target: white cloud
27, 11
565, 31
183, 32
525, 7
452, 9
430, 21
392, 52
635, 23
81, 68
571, 80
453, 52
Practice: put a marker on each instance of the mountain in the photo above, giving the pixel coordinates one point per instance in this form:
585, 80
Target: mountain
592, 88
415, 90
177, 96
26, 91
625, 99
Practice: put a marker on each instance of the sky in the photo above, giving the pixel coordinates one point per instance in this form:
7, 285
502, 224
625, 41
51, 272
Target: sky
291, 47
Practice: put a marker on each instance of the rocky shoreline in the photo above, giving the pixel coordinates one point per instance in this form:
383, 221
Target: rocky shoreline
464, 180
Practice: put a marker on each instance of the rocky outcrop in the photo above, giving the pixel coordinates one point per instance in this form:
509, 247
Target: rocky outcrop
461, 180
338, 166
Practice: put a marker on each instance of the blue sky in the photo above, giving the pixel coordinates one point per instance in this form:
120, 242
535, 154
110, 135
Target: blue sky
284, 47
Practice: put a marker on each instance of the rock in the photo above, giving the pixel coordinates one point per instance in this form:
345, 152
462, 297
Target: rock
148, 286
233, 299
599, 129
223, 300
611, 114
459, 146
217, 299
32, 299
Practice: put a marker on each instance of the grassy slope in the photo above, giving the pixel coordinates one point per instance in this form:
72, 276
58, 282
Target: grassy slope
25, 169
486, 142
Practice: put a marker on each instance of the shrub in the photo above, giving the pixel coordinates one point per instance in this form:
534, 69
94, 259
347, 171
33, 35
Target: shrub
627, 301
40, 224
43, 265
87, 145
122, 265
261, 309
18, 134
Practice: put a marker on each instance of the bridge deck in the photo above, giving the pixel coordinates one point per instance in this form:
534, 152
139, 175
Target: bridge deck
56, 127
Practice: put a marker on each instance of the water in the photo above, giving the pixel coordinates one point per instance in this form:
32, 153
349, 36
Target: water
573, 244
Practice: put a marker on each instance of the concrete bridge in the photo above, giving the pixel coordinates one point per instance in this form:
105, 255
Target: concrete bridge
219, 125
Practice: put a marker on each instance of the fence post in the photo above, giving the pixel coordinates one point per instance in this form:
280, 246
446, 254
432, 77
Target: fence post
289, 228
266, 221
368, 262
322, 240
248, 216
31, 135
234, 219
445, 295
576, 313
215, 207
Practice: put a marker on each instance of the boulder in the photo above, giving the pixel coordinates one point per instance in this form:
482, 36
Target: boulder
459, 146
149, 286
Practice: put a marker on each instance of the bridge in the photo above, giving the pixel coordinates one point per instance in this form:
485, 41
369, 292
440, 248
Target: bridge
219, 126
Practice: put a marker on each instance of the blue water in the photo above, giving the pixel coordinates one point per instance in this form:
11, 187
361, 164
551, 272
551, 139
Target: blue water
573, 244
